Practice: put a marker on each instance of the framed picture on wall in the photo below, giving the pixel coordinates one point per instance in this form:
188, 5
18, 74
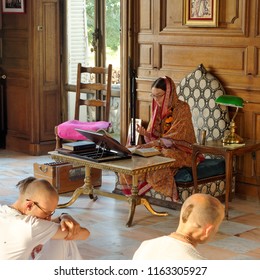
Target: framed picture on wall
13, 6
200, 13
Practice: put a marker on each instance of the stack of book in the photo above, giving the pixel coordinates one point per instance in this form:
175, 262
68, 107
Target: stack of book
78, 147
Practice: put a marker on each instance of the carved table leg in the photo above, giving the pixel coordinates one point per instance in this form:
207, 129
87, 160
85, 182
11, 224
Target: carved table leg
135, 200
85, 189
148, 206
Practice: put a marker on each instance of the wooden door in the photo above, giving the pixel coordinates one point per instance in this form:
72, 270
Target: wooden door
46, 67
31, 60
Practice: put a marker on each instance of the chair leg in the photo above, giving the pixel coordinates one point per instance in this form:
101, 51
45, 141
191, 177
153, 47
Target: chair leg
57, 138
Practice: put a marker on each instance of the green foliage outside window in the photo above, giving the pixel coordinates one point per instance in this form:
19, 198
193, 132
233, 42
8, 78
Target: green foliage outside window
112, 23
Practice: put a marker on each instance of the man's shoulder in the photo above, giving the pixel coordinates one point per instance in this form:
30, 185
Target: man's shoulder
6, 210
160, 239
2, 207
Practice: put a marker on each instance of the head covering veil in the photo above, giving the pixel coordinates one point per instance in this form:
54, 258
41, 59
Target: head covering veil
168, 104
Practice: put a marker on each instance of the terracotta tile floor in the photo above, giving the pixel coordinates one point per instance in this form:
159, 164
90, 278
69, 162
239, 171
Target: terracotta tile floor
238, 238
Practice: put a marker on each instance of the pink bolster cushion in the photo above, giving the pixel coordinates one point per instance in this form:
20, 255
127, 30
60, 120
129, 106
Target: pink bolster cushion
67, 130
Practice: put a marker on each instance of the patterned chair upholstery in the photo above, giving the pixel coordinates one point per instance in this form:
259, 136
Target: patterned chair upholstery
200, 89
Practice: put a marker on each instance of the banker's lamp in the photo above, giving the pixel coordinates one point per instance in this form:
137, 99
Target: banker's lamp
232, 101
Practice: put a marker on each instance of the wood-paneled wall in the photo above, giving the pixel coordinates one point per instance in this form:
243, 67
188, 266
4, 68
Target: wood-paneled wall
231, 51
30, 58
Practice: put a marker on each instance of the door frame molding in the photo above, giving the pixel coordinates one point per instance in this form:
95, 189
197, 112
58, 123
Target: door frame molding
128, 49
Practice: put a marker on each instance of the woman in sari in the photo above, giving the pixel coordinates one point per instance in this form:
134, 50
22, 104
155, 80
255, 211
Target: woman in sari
170, 130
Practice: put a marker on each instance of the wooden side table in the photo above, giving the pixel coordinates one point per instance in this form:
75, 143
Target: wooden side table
216, 148
134, 166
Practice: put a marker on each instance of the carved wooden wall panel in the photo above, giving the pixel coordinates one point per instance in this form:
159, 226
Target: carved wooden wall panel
234, 16
257, 17
146, 19
221, 58
173, 15
146, 51
257, 61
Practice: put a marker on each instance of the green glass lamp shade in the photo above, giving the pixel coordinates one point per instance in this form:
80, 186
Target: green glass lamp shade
230, 100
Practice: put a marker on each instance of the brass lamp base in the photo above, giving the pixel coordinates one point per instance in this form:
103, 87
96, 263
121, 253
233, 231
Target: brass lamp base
232, 137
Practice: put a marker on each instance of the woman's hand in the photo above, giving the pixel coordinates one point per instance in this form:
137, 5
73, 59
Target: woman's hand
141, 130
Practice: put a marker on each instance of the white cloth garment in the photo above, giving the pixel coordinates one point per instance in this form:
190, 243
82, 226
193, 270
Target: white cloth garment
20, 234
59, 250
166, 248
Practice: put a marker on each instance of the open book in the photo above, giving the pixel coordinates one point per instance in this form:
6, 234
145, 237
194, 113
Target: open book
144, 152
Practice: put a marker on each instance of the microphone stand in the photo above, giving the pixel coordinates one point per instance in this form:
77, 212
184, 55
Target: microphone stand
132, 102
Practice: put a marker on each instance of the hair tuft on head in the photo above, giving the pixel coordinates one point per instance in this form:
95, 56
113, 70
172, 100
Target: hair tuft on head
23, 184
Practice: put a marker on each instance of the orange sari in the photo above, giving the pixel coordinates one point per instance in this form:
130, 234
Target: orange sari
172, 121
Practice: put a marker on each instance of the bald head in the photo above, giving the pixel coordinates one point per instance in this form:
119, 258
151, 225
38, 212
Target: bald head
200, 210
35, 188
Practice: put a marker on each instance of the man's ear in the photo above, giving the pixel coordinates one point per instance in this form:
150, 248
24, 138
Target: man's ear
208, 230
29, 204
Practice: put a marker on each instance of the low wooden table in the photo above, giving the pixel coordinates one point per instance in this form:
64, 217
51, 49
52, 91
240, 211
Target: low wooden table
217, 148
133, 166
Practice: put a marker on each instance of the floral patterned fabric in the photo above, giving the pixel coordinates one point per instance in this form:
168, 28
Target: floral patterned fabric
170, 121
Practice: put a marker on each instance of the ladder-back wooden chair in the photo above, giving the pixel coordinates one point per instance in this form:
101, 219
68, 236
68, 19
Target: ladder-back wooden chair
94, 92
93, 83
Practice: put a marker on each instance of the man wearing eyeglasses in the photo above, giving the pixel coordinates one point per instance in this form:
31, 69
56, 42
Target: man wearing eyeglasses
28, 231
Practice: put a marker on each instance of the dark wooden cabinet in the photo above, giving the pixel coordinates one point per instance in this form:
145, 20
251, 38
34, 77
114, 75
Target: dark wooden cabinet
31, 54
3, 115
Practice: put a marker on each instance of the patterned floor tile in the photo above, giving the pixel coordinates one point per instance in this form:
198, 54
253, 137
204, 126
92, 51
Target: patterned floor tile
253, 234
248, 219
255, 254
236, 244
233, 228
110, 239
215, 253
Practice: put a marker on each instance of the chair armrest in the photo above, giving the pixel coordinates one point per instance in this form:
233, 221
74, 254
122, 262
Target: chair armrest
214, 147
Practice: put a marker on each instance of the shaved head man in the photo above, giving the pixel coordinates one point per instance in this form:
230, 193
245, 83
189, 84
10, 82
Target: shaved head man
37, 198
28, 230
200, 218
